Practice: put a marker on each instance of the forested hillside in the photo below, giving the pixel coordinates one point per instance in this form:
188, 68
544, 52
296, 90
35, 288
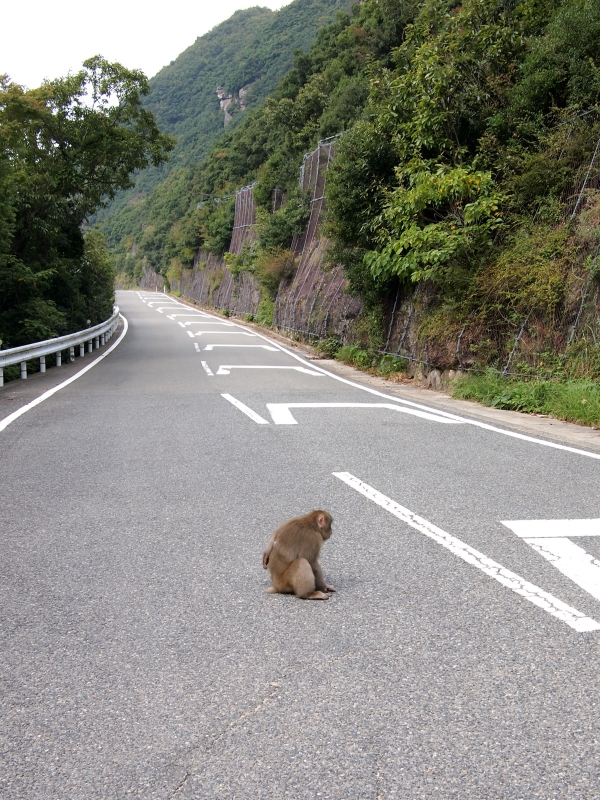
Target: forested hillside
464, 186
232, 68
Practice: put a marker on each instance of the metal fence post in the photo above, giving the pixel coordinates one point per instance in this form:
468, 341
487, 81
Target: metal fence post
42, 363
23, 370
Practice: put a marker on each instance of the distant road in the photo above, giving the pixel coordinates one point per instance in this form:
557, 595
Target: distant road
142, 658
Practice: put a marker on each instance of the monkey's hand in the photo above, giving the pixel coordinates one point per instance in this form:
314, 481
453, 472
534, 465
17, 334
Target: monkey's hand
329, 588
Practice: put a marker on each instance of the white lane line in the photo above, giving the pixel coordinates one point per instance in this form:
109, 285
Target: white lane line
209, 321
197, 316
555, 607
225, 369
197, 346
16, 414
281, 414
410, 403
182, 325
189, 333
207, 369
551, 538
248, 411
222, 333
263, 346
439, 412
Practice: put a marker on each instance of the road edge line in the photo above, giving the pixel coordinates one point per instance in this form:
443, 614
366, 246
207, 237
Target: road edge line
4, 423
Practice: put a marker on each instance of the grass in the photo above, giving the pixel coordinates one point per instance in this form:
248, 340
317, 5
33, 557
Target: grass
571, 400
371, 361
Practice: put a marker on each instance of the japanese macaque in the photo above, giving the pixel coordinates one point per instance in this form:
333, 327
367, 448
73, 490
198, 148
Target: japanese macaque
291, 557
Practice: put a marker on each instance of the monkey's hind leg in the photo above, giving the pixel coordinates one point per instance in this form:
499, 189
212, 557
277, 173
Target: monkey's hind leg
300, 576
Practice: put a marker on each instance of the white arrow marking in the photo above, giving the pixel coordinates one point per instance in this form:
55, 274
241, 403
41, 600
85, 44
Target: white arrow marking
551, 539
281, 414
263, 346
248, 411
225, 369
574, 618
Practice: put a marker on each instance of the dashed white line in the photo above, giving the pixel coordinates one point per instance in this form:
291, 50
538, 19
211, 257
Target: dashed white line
555, 607
207, 369
248, 411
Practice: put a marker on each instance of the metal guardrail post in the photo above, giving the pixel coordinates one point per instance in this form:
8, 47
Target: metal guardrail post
94, 336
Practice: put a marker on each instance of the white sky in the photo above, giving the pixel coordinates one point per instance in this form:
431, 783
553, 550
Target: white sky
45, 39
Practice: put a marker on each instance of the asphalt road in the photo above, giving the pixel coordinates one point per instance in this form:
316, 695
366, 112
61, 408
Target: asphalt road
142, 658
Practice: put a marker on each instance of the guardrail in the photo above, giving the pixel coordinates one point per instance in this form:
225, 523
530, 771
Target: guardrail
93, 337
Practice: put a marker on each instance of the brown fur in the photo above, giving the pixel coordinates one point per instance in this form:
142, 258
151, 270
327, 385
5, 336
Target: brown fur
292, 554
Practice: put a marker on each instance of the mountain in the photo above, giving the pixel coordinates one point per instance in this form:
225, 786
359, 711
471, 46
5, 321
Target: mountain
463, 199
233, 67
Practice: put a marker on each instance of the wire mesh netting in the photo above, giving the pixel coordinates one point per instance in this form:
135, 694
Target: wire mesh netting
522, 338
315, 303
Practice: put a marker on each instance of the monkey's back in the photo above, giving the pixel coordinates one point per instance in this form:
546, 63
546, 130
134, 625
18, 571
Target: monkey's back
292, 541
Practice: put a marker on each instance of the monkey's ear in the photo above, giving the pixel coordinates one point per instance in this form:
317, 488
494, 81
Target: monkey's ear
321, 520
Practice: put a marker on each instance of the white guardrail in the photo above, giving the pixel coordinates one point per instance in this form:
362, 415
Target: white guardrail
94, 337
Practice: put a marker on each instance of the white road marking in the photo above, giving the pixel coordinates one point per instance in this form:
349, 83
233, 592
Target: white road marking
456, 417
222, 333
207, 369
248, 411
225, 369
545, 528
264, 346
281, 414
189, 333
551, 538
16, 414
197, 316
182, 325
555, 607
197, 346
411, 404
209, 321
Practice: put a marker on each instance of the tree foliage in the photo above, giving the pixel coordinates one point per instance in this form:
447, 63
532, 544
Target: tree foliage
65, 150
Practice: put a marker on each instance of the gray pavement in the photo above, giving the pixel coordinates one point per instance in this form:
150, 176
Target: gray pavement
141, 656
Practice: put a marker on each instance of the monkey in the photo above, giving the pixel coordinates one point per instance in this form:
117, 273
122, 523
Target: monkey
291, 557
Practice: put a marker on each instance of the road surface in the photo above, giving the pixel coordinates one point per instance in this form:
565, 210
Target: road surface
142, 658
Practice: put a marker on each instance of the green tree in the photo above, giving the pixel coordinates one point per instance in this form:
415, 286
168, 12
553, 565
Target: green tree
67, 147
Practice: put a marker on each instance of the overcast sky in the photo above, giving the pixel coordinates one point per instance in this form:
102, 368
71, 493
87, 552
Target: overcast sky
45, 39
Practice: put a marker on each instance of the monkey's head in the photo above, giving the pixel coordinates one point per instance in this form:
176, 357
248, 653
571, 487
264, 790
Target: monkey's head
323, 520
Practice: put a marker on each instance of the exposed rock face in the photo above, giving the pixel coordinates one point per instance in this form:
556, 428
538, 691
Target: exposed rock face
225, 100
242, 94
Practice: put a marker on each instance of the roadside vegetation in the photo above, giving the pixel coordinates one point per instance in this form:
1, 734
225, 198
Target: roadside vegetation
65, 149
571, 400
